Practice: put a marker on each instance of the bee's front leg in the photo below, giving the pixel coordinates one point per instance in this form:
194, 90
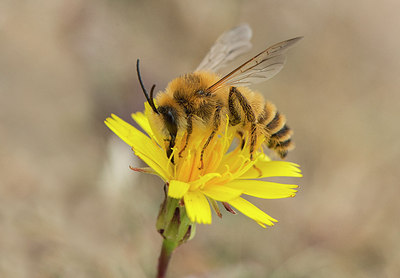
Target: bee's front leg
189, 130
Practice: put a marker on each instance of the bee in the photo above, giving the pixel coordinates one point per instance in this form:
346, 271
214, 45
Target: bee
197, 101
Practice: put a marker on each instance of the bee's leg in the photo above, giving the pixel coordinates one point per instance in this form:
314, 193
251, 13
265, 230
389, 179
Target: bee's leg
251, 118
242, 140
236, 118
235, 94
216, 124
189, 130
253, 139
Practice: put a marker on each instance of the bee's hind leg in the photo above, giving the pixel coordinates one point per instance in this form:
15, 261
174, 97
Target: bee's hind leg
234, 113
216, 125
242, 139
234, 94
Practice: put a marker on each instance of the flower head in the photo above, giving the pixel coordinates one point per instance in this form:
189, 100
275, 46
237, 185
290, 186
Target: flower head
227, 172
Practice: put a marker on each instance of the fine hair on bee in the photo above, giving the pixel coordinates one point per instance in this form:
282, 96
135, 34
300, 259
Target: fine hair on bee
198, 101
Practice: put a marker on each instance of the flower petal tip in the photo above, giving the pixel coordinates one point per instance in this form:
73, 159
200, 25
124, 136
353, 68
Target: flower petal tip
265, 225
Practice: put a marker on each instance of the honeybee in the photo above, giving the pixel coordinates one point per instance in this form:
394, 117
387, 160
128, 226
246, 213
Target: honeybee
198, 100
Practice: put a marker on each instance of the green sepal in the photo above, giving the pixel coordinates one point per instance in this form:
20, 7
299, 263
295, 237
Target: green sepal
173, 223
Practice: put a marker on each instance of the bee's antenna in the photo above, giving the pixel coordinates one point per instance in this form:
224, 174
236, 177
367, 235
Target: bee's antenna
150, 99
151, 94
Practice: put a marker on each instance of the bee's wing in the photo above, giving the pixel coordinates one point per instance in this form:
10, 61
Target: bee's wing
259, 68
227, 47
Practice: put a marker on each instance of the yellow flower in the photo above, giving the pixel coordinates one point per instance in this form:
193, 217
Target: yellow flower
227, 175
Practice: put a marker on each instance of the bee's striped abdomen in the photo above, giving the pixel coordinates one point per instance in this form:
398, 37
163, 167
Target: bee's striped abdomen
278, 134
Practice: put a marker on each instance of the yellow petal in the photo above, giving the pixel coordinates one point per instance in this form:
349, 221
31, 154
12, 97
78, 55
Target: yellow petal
264, 189
197, 207
143, 122
154, 123
221, 193
252, 211
203, 180
142, 145
264, 168
124, 130
234, 160
177, 189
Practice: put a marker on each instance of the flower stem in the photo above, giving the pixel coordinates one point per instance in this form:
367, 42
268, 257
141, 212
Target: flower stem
167, 248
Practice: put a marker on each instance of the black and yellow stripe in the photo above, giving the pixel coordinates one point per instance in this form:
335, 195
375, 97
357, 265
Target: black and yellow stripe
278, 134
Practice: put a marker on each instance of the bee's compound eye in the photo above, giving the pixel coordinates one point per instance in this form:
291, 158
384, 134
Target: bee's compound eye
169, 116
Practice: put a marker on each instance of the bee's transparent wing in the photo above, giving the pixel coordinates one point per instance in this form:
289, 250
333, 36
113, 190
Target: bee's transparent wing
227, 47
258, 69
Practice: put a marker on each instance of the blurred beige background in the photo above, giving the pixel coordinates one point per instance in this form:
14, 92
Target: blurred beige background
69, 205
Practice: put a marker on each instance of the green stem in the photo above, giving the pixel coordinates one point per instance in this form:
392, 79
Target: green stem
167, 248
